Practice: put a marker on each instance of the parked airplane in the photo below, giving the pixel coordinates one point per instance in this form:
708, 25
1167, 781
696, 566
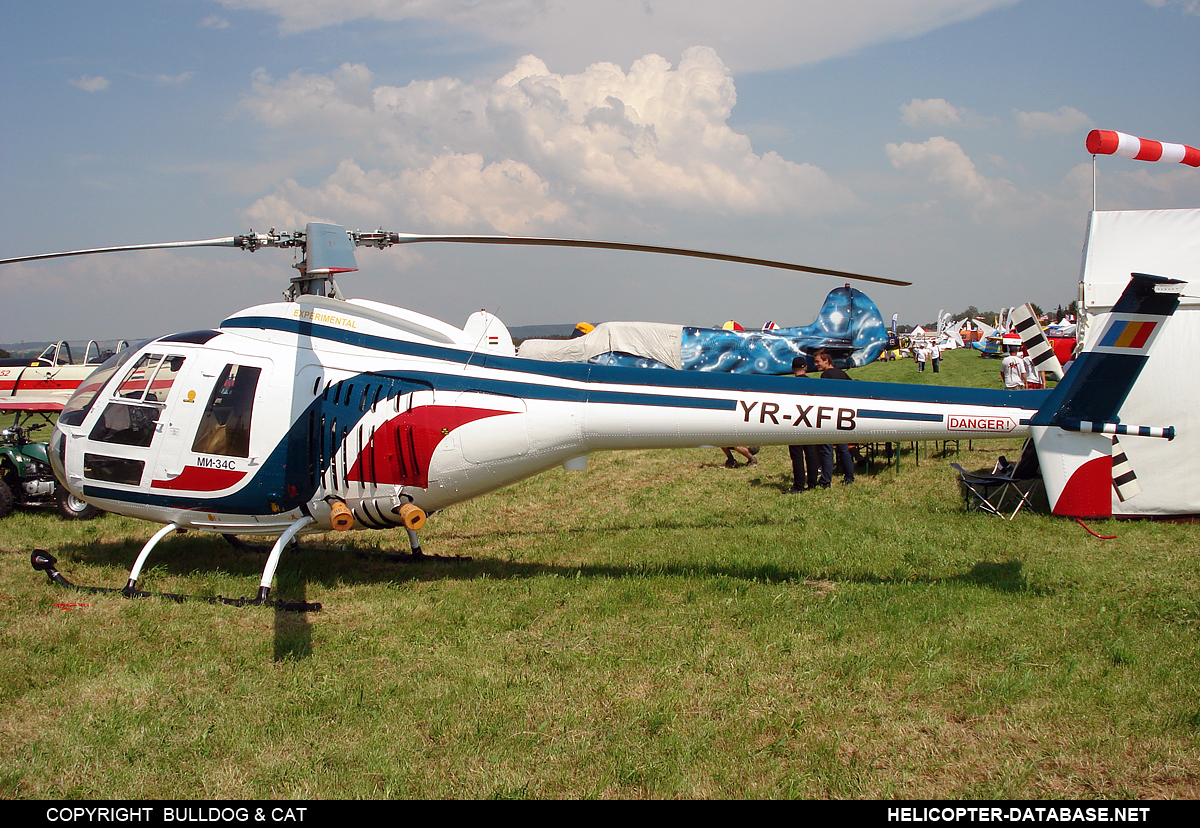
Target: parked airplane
43, 384
849, 327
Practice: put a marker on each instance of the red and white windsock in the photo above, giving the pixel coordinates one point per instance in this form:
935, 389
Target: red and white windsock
1107, 142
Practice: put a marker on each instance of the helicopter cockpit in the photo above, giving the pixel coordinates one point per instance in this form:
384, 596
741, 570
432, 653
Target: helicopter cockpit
141, 420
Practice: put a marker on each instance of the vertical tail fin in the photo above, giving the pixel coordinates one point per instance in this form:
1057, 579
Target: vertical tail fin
1075, 454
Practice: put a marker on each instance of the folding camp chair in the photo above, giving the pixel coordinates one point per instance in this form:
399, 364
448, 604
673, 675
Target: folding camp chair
997, 493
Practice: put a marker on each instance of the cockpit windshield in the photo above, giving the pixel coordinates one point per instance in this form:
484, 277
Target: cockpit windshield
77, 408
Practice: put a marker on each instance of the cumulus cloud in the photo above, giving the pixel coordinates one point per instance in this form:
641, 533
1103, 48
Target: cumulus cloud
1064, 121
534, 148
943, 164
1191, 7
89, 83
214, 21
940, 113
931, 111
761, 34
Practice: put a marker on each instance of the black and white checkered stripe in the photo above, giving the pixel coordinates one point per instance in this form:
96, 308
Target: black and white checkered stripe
1124, 480
1034, 339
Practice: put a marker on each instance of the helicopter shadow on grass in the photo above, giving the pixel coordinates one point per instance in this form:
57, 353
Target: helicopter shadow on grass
329, 566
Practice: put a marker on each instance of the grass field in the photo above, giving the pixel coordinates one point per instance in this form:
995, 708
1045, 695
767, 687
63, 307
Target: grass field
657, 626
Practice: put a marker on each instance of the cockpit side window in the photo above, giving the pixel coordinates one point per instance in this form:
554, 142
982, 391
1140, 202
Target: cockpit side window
128, 425
151, 378
133, 387
164, 378
225, 425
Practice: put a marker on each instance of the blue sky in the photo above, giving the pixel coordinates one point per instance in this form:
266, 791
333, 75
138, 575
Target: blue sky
940, 141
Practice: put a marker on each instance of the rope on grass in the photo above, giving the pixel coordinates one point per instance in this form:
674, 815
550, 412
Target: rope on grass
1093, 534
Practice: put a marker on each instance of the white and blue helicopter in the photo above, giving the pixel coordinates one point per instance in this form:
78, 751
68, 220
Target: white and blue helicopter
321, 413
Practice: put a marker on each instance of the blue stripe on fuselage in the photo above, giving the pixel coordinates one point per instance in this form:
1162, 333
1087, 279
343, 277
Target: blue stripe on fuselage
609, 375
268, 484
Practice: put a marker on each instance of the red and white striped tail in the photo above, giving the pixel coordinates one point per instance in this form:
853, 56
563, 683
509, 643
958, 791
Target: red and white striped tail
1108, 142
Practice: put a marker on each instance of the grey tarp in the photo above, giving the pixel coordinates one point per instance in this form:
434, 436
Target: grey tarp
656, 340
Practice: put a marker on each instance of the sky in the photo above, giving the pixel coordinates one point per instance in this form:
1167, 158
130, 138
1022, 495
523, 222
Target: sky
936, 141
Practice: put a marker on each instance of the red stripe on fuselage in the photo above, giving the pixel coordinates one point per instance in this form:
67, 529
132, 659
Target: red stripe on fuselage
400, 450
196, 479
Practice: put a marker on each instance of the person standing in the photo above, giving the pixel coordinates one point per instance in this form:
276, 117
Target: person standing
825, 365
919, 352
935, 356
1012, 370
803, 456
1033, 377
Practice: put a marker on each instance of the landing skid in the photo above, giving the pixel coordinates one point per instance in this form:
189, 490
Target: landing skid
43, 561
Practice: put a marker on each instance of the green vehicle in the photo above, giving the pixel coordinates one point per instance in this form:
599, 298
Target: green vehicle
26, 478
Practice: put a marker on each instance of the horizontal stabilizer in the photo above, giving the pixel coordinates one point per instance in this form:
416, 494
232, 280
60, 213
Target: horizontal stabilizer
1167, 432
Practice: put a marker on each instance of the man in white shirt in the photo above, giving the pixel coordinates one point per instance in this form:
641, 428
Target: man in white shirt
1012, 370
1033, 377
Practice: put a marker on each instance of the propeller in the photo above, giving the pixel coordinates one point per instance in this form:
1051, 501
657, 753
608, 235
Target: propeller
381, 239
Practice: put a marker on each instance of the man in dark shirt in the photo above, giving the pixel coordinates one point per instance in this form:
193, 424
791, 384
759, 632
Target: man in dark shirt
824, 364
803, 455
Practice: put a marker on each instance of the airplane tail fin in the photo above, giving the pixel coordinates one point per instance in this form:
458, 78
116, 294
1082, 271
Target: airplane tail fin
851, 314
1041, 352
1073, 429
850, 326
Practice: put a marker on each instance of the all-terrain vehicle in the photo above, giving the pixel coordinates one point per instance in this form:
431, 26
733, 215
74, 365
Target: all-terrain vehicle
26, 477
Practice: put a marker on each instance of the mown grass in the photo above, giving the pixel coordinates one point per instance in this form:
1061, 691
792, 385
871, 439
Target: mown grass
655, 627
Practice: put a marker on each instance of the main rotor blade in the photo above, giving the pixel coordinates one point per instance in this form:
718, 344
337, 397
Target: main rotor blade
410, 238
231, 241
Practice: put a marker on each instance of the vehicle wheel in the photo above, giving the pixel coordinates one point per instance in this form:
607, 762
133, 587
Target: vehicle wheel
6, 499
72, 508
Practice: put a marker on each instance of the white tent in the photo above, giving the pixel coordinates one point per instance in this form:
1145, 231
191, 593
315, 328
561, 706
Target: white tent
1161, 243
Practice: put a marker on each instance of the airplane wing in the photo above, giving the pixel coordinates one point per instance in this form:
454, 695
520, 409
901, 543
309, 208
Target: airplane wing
39, 387
42, 402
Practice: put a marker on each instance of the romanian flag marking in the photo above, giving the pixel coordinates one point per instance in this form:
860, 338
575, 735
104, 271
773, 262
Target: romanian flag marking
1128, 334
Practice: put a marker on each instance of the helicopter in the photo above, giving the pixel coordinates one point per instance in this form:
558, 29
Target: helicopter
324, 413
